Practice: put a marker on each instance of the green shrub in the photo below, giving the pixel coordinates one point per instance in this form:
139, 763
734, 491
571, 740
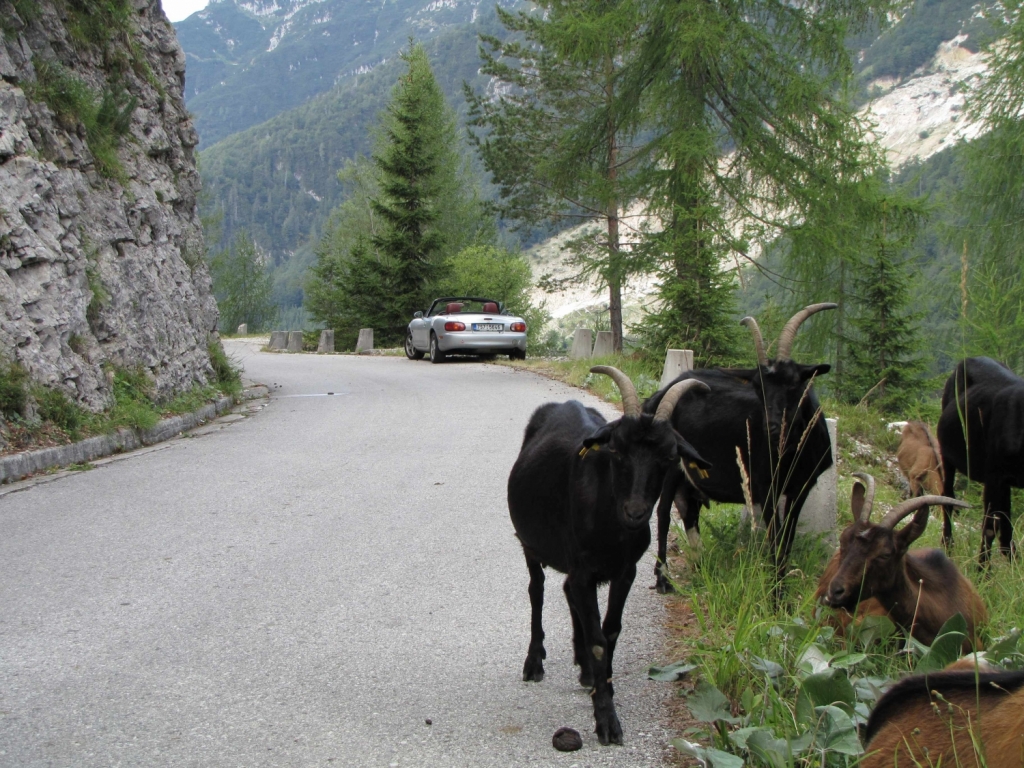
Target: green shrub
133, 401
229, 376
13, 397
57, 408
106, 117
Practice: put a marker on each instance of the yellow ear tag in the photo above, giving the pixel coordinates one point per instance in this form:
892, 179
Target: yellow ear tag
702, 472
583, 452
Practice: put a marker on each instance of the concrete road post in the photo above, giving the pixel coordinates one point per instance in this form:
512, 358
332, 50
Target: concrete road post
326, 341
278, 340
294, 341
603, 346
365, 342
820, 512
677, 361
582, 343
243, 329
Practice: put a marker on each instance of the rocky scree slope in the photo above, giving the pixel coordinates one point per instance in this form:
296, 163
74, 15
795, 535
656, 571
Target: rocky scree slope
101, 247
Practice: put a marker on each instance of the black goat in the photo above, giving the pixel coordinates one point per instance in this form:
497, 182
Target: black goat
981, 434
580, 496
770, 415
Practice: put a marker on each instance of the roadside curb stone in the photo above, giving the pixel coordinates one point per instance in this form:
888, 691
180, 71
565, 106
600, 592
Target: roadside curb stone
21, 465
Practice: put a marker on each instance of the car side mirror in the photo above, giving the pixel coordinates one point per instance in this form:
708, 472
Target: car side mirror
417, 314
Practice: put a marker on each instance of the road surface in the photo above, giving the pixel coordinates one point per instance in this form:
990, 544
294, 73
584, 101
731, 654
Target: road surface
308, 586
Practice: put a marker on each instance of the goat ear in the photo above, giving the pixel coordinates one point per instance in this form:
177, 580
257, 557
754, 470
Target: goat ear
910, 532
857, 501
594, 441
688, 454
807, 371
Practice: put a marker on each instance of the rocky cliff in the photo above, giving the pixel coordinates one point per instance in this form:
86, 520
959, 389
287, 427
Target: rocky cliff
101, 248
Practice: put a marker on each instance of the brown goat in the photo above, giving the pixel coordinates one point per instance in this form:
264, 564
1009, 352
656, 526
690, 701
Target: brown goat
949, 719
919, 590
919, 459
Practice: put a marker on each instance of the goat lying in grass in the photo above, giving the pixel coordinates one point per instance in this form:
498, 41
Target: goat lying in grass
874, 573
580, 496
949, 719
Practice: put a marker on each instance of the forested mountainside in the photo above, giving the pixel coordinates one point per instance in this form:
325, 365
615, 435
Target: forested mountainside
249, 61
278, 179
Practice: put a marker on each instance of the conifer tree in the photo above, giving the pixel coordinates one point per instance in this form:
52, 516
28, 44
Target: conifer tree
561, 59
242, 285
885, 362
409, 210
750, 135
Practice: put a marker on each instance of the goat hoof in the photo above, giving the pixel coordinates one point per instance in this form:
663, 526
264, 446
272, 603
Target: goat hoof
533, 670
586, 678
609, 731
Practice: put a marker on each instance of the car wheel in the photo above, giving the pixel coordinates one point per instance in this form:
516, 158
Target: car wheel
410, 350
436, 355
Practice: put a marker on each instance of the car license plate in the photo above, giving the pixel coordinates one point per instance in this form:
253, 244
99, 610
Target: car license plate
488, 327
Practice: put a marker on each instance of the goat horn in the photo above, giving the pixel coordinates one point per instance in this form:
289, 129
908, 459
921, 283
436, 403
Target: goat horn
630, 402
869, 495
788, 334
900, 511
755, 331
676, 391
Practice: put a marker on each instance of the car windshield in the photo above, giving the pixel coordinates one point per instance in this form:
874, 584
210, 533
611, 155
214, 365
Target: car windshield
465, 306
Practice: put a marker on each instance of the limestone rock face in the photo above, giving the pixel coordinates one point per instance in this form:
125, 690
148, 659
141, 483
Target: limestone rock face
100, 267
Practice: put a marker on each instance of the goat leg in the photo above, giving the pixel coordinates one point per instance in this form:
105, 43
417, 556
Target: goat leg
1001, 516
584, 595
533, 668
668, 490
949, 476
579, 646
618, 591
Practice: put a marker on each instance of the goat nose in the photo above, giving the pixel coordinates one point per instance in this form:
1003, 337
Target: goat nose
837, 593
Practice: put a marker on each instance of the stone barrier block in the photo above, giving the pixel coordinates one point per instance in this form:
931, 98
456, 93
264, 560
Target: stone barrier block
677, 362
278, 340
820, 512
365, 342
582, 343
243, 329
604, 346
294, 341
326, 341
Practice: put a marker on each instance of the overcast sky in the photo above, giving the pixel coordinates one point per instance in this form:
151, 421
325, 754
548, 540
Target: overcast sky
177, 10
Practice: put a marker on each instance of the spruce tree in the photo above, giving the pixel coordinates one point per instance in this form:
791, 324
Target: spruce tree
885, 362
410, 208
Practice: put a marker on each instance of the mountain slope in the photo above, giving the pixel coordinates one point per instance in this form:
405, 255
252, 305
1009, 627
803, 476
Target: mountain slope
250, 61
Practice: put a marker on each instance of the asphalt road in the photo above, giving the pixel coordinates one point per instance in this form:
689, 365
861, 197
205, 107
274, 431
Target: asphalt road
305, 587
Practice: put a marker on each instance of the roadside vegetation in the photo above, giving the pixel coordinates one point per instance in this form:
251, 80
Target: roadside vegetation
766, 683
33, 416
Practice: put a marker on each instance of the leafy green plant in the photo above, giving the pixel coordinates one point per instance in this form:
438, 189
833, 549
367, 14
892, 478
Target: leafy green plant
133, 402
106, 116
58, 409
13, 397
228, 375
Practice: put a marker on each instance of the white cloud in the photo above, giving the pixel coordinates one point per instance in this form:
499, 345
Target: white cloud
177, 10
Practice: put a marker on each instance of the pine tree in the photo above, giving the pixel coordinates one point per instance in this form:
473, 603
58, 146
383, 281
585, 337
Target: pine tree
242, 285
536, 141
409, 210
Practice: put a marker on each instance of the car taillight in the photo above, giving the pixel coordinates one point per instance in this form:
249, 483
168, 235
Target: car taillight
454, 326
518, 327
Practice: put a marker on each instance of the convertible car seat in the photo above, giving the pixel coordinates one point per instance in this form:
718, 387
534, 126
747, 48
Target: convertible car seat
453, 308
491, 308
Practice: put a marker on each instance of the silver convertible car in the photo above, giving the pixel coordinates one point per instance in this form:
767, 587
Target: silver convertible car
464, 325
